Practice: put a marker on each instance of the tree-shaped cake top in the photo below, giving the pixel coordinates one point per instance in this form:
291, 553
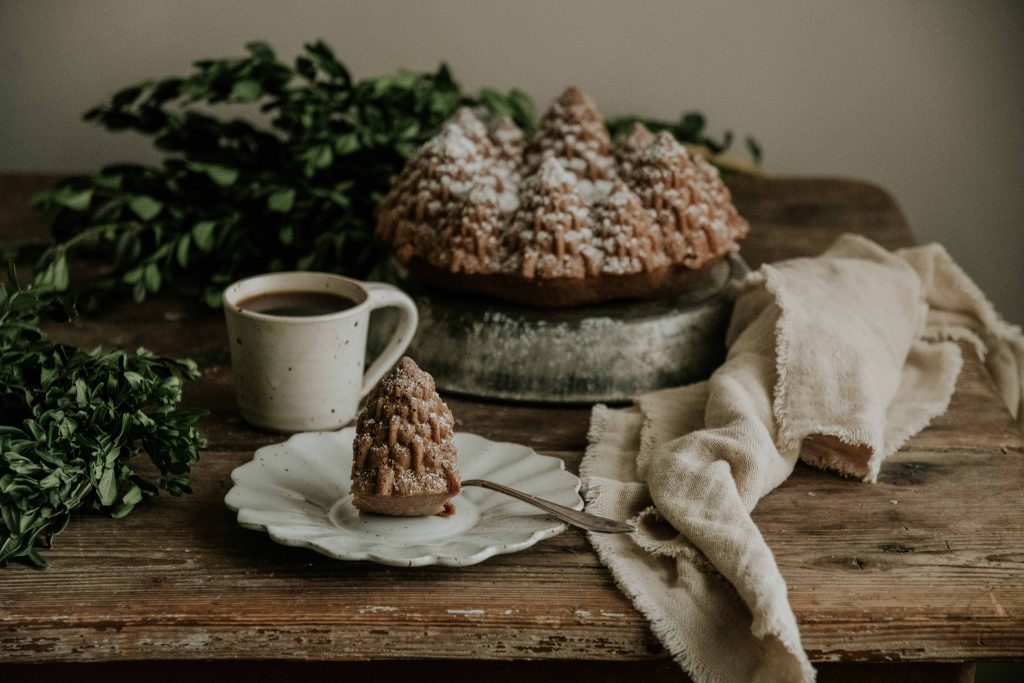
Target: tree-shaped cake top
551, 229
573, 132
625, 233
404, 444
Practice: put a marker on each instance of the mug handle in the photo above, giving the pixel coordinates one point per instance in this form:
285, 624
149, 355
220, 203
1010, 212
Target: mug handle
380, 295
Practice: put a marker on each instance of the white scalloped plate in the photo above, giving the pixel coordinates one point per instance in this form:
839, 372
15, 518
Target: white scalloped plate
298, 492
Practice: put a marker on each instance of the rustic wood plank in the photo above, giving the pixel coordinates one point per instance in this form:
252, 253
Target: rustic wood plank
803, 216
976, 418
863, 564
935, 575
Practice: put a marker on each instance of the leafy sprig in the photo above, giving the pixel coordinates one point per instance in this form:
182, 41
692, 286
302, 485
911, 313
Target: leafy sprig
72, 422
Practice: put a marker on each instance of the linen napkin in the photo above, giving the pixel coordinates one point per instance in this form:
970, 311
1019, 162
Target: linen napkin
836, 360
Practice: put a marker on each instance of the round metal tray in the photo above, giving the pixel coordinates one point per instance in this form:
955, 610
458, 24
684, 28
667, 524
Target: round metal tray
607, 352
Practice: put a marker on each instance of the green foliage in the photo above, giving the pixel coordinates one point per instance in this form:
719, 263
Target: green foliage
232, 198
71, 421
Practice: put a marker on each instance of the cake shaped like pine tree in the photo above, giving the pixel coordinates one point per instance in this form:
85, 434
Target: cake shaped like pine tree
573, 131
404, 458
563, 219
550, 232
688, 200
625, 234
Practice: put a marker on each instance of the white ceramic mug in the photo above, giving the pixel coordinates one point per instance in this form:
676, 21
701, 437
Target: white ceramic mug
305, 373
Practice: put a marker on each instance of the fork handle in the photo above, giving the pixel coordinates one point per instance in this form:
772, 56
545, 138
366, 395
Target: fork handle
578, 518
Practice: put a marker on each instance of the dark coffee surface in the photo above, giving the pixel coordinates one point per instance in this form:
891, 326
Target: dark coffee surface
296, 304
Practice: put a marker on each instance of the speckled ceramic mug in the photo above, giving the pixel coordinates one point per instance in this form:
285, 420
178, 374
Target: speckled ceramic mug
297, 374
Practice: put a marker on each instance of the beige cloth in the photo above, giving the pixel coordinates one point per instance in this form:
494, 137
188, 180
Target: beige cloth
848, 350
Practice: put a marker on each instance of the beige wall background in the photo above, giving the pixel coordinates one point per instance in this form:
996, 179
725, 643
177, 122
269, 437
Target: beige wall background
923, 98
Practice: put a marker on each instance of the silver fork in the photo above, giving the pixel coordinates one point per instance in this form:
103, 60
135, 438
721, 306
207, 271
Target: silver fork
583, 520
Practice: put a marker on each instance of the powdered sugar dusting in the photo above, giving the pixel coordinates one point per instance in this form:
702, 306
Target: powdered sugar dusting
478, 199
404, 442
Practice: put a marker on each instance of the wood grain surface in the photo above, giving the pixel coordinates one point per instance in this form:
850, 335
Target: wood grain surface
927, 565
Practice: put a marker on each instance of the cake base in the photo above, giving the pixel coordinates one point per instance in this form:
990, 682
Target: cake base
419, 505
565, 292
610, 352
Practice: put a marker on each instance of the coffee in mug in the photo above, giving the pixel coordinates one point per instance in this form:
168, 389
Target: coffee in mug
298, 346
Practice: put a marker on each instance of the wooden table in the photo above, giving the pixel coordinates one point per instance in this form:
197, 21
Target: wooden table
927, 566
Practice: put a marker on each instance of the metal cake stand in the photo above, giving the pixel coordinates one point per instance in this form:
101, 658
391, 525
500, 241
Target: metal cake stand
608, 352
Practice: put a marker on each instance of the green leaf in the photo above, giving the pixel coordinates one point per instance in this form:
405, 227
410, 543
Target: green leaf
754, 147
181, 251
55, 275
128, 502
346, 144
409, 132
133, 496
145, 207
151, 277
260, 50
246, 91
61, 277
126, 97
305, 67
107, 487
132, 276
194, 88
122, 510
109, 182
212, 298
340, 199
222, 175
81, 393
281, 201
134, 379
322, 156
406, 149
202, 235
522, 109
127, 250
691, 126
324, 57
76, 200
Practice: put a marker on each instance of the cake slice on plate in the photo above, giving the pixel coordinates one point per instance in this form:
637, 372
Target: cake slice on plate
405, 462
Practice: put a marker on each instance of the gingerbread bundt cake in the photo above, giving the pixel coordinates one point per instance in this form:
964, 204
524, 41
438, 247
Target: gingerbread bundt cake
564, 219
405, 462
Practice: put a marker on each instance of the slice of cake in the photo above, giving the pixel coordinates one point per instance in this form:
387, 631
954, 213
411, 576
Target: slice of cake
404, 457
